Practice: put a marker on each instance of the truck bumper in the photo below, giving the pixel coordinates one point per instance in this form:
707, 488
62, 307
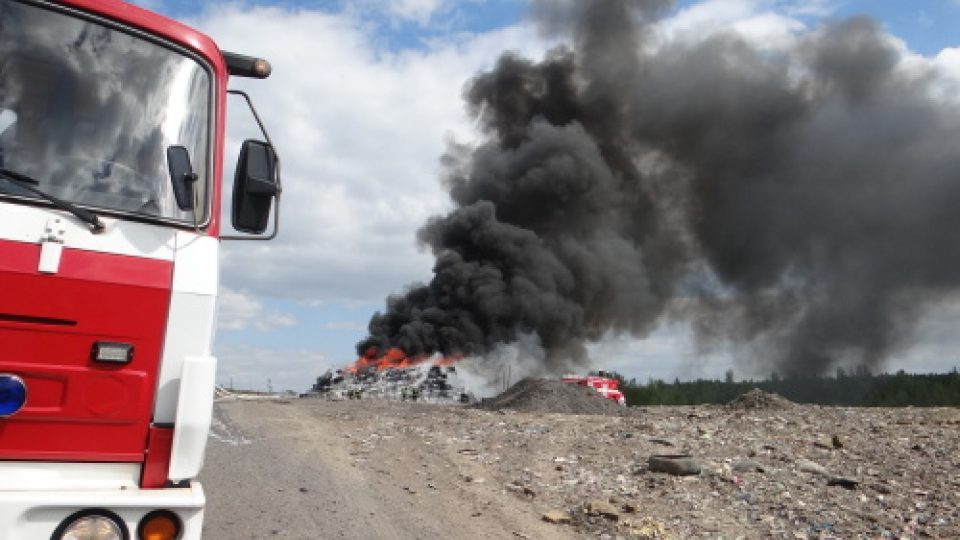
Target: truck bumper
34, 515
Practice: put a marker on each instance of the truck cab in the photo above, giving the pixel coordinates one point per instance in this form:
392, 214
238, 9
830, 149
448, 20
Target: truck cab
112, 124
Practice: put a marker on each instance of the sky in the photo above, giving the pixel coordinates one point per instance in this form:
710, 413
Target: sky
365, 97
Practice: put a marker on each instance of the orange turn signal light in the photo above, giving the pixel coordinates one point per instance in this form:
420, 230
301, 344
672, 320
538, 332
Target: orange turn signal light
159, 525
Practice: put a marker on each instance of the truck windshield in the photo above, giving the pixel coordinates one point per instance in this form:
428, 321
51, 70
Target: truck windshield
89, 111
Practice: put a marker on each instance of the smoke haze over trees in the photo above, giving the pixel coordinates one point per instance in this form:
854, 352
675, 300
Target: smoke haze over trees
800, 199
858, 389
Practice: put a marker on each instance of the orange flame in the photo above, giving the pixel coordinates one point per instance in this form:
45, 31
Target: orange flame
395, 358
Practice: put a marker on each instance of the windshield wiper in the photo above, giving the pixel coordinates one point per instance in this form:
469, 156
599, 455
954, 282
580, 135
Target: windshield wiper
27, 183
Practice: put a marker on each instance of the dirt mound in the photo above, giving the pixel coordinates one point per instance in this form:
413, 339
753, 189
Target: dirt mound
758, 399
552, 396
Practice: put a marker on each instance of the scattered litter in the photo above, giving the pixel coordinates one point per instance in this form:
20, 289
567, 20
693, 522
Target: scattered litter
677, 465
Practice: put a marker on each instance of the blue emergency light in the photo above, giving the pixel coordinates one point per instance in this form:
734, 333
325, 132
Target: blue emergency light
13, 394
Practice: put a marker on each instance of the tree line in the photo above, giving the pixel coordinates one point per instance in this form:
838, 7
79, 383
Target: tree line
859, 388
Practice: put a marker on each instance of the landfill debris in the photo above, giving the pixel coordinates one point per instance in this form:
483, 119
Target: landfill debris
747, 465
646, 528
824, 442
758, 399
603, 509
520, 489
424, 382
846, 483
557, 516
875, 486
662, 441
806, 465
677, 465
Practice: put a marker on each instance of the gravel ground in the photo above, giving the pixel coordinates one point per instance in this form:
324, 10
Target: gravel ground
303, 470
383, 469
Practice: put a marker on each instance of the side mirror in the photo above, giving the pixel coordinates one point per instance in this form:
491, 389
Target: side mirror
182, 176
254, 187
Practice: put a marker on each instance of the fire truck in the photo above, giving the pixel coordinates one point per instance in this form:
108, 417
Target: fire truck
604, 383
112, 124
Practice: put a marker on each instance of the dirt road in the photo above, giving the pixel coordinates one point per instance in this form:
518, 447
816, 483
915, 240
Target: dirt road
291, 470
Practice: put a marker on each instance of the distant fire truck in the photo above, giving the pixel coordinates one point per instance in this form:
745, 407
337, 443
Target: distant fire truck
602, 382
111, 148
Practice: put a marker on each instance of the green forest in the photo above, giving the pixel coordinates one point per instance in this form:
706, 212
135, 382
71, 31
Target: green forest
859, 388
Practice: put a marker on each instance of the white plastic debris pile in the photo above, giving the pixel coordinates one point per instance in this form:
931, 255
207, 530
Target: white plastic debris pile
424, 382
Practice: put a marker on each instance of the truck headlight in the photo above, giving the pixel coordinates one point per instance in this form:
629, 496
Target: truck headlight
91, 525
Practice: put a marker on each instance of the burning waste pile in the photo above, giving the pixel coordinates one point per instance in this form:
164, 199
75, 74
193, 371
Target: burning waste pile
434, 381
438, 380
796, 198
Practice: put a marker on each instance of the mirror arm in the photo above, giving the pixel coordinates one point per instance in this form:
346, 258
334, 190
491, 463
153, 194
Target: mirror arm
191, 179
256, 116
277, 185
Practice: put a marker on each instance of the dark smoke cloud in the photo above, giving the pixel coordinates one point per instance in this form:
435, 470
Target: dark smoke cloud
802, 200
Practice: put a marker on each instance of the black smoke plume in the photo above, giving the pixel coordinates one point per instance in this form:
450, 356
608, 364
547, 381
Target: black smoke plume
804, 200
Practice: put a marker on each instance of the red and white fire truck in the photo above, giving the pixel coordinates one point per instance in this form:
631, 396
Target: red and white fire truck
112, 124
604, 383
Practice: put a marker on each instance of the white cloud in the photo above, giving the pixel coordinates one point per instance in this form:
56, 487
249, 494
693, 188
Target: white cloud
949, 61
770, 30
417, 10
421, 12
755, 20
358, 326
274, 319
809, 8
259, 368
234, 310
945, 86
709, 15
360, 132
240, 311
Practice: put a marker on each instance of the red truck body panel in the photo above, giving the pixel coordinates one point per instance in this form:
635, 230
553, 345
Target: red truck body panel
78, 409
